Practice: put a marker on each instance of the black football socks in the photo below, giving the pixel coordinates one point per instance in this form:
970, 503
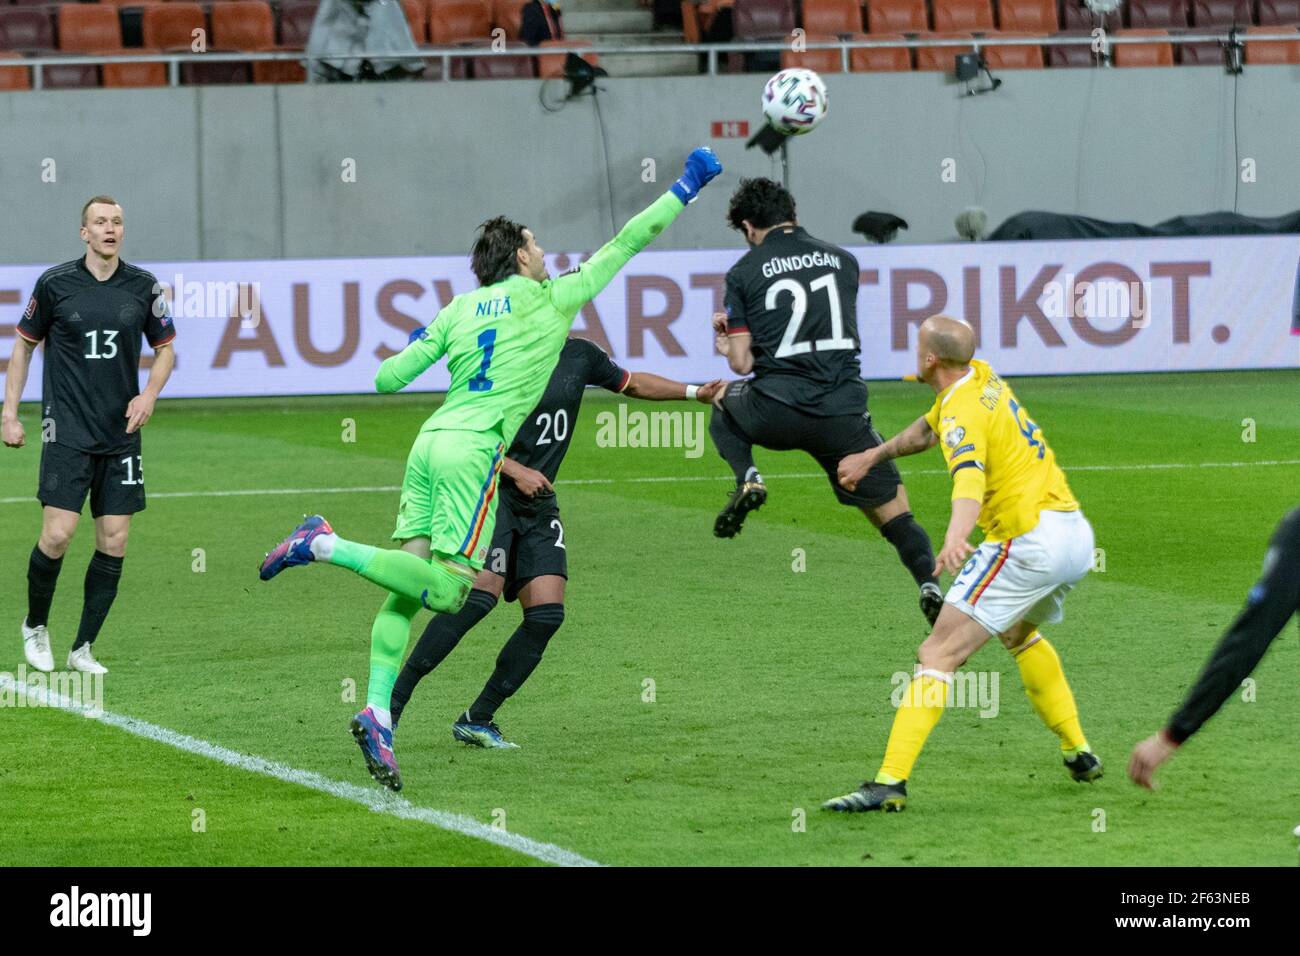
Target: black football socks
102, 575
42, 576
913, 546
732, 445
518, 659
440, 636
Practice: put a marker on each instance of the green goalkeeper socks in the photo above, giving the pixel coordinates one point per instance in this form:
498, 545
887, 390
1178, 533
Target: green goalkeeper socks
431, 583
388, 637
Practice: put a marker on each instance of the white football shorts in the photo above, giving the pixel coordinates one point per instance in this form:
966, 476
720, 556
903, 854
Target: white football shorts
1026, 577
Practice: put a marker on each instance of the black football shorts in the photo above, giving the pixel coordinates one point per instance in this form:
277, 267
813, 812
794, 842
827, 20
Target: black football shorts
781, 427
528, 542
114, 482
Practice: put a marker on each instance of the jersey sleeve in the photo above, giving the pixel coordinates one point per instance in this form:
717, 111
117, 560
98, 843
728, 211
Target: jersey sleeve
963, 438
400, 370
159, 327
39, 314
1272, 602
571, 291
603, 371
734, 303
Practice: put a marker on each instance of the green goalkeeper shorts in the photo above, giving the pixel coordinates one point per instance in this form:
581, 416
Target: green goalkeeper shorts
449, 494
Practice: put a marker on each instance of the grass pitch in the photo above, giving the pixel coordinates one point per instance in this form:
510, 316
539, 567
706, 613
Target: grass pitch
703, 696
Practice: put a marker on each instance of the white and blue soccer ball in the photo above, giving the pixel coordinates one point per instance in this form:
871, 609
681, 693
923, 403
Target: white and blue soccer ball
794, 101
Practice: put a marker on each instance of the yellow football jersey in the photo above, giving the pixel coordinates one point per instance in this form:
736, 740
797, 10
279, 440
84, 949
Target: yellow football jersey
997, 454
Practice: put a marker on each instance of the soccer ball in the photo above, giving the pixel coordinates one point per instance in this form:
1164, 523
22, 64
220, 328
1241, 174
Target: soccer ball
794, 101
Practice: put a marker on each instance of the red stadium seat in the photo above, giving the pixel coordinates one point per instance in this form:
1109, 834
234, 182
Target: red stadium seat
1144, 54
1221, 13
1157, 14
515, 63
457, 21
962, 15
1272, 52
12, 77
1016, 57
509, 16
26, 28
171, 26
296, 18
83, 29
941, 58
762, 19
820, 61
417, 18
831, 17
246, 25
1273, 12
883, 60
552, 64
1071, 54
1030, 16
897, 16
135, 75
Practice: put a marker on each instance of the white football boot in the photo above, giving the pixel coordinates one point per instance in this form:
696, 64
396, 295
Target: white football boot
36, 645
82, 660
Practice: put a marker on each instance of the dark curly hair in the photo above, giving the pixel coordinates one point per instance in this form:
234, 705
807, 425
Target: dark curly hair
761, 201
493, 256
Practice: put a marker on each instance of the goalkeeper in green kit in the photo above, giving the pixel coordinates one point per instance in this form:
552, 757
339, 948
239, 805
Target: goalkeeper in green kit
502, 342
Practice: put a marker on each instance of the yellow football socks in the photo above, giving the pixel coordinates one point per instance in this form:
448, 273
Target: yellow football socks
1049, 692
922, 706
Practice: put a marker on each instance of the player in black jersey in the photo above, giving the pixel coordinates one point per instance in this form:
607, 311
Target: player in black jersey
1270, 604
791, 320
91, 313
527, 558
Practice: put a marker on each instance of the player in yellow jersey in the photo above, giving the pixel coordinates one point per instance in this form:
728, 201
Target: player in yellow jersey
1037, 546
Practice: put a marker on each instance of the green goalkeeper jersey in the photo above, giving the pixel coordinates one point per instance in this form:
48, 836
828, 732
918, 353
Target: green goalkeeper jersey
502, 341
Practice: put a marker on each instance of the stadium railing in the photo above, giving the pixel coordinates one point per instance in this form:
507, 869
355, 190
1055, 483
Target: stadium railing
446, 54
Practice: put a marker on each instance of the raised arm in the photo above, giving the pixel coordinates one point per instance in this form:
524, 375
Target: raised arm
424, 347
574, 289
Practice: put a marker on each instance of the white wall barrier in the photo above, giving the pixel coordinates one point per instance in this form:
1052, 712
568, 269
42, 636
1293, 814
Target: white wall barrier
295, 327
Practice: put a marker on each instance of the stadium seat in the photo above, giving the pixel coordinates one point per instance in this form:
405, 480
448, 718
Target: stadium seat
820, 61
1029, 16
1157, 14
26, 28
245, 25
1144, 54
417, 18
1272, 52
1072, 54
1275, 12
135, 75
831, 17
13, 78
1075, 16
962, 15
295, 22
457, 21
171, 26
941, 58
896, 59
83, 29
509, 16
762, 19
897, 16
1017, 57
1221, 13
508, 65
552, 64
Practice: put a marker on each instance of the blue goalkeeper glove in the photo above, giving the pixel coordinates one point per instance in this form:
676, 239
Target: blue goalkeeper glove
420, 333
701, 166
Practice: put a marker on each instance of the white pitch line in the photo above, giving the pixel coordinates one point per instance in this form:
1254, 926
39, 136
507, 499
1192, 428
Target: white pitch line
376, 800
364, 489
